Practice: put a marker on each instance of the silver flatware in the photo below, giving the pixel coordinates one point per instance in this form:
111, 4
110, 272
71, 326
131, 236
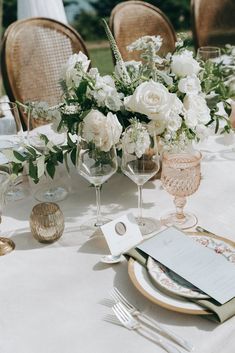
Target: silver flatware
119, 297
131, 323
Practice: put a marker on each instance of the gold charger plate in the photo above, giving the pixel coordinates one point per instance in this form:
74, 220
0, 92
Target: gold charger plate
141, 280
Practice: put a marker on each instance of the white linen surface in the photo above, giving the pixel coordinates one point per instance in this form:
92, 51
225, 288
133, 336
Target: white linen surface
54, 298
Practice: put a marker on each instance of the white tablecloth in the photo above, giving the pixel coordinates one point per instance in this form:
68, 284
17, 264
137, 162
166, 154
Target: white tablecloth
55, 298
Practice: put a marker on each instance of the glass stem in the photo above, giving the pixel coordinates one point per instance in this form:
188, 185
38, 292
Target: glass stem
98, 213
180, 202
140, 188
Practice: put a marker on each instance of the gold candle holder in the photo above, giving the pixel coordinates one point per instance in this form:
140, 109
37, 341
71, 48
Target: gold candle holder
46, 222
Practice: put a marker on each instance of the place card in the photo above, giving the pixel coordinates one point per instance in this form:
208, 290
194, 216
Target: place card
208, 271
122, 234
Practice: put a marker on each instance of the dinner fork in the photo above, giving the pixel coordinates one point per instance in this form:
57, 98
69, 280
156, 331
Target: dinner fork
131, 323
119, 297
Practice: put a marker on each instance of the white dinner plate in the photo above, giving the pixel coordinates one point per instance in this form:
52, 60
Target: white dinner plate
172, 283
142, 281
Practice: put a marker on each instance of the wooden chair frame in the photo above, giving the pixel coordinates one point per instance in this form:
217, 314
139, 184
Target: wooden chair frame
145, 5
8, 73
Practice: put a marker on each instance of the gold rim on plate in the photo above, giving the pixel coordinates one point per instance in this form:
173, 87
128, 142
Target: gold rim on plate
164, 304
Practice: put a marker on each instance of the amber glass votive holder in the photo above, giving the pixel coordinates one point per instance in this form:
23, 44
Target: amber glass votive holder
46, 222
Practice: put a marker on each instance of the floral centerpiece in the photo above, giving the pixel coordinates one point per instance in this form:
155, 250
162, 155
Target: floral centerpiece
171, 95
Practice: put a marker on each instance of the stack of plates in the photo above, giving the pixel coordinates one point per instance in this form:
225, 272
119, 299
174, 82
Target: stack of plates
167, 289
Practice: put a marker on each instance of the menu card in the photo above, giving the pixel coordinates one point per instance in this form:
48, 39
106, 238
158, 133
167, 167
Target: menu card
208, 271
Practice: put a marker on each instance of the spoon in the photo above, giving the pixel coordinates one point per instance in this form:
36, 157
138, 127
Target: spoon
111, 259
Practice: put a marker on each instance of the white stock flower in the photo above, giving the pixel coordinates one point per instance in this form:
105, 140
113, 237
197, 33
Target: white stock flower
103, 131
136, 140
197, 111
104, 91
150, 98
73, 70
144, 43
184, 64
189, 85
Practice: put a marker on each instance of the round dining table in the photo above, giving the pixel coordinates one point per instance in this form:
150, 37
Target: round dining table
55, 298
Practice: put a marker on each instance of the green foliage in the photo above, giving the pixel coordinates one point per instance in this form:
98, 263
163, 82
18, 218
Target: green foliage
178, 11
9, 12
88, 24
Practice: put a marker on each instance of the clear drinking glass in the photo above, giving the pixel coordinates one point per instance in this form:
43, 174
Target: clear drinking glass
48, 190
140, 170
181, 176
6, 244
208, 53
11, 137
96, 166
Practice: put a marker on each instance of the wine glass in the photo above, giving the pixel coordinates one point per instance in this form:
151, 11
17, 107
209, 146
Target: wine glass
208, 53
181, 176
140, 162
38, 123
6, 244
96, 165
11, 138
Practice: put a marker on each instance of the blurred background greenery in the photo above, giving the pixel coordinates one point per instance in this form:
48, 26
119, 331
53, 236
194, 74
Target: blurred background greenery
85, 15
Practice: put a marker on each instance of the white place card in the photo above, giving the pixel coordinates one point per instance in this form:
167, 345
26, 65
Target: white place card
122, 234
208, 271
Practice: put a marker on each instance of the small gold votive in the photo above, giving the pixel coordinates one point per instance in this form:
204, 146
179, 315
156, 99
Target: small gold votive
46, 222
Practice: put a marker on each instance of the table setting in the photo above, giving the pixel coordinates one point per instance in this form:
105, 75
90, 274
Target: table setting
101, 276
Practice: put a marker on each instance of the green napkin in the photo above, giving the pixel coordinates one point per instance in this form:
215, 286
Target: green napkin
221, 312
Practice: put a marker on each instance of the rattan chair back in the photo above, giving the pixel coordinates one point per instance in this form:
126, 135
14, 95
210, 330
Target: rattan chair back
33, 54
131, 20
213, 22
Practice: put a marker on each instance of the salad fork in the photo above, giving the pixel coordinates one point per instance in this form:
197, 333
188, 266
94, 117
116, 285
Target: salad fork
131, 323
119, 297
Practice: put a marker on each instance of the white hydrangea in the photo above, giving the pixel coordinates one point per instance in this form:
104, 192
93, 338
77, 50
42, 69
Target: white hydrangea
74, 69
136, 140
103, 131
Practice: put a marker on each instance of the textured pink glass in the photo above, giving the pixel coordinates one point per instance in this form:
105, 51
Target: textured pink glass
181, 175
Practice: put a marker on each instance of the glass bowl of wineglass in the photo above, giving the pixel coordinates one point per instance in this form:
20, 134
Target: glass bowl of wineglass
11, 138
140, 162
96, 164
181, 176
6, 244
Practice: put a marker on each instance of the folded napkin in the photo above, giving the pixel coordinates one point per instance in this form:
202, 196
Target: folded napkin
221, 312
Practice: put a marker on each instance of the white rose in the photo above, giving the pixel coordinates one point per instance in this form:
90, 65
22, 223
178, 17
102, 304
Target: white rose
150, 98
184, 64
189, 85
174, 124
197, 111
202, 132
103, 131
73, 70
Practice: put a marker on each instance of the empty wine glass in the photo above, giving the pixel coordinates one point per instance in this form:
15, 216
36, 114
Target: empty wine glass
140, 162
208, 53
11, 137
6, 244
97, 165
181, 175
39, 121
